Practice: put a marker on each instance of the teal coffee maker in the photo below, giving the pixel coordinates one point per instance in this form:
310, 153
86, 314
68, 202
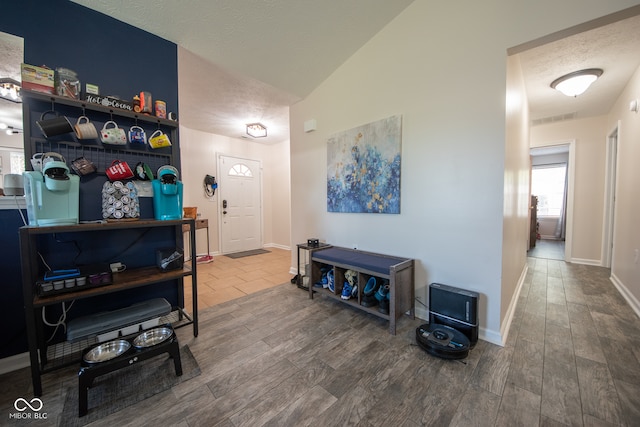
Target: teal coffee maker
167, 194
52, 195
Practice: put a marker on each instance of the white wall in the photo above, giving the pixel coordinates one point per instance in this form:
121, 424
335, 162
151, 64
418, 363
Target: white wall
515, 239
590, 136
198, 152
625, 271
8, 144
442, 65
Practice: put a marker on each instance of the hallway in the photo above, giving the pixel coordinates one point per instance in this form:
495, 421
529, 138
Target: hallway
548, 249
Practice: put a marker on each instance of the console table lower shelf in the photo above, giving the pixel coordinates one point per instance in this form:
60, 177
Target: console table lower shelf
394, 274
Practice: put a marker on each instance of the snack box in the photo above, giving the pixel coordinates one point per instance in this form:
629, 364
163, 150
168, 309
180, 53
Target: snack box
39, 79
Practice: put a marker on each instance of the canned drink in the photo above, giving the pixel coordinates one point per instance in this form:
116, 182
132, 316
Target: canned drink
161, 109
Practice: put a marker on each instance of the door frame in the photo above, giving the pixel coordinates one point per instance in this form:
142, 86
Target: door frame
571, 168
611, 179
220, 170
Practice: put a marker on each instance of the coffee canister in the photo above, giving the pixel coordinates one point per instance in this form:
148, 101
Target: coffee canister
161, 109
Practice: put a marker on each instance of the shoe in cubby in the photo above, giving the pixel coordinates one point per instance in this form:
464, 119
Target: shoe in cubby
331, 283
347, 291
368, 293
323, 282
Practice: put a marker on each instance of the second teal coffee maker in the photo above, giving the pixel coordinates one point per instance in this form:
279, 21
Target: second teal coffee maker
167, 194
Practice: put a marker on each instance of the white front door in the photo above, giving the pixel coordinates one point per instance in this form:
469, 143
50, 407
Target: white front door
240, 204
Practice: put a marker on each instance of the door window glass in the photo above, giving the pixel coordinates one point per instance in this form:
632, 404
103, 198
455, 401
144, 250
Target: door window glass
240, 169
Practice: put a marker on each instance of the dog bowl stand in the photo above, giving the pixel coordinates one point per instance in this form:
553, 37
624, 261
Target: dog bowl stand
88, 372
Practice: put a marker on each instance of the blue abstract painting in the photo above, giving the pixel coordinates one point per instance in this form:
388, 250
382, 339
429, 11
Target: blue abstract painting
363, 168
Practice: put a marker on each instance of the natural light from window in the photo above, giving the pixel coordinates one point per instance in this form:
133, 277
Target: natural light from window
547, 182
17, 162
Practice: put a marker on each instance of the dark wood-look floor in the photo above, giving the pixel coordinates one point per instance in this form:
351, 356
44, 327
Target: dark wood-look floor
277, 358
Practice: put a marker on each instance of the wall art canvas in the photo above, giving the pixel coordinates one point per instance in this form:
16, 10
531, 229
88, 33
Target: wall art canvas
363, 168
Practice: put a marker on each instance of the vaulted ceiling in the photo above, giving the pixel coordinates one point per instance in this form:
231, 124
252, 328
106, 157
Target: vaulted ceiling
243, 61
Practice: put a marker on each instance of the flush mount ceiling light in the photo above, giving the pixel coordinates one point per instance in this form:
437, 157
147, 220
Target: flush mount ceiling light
10, 89
574, 84
256, 130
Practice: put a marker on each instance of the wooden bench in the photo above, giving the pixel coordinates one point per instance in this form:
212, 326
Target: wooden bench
400, 273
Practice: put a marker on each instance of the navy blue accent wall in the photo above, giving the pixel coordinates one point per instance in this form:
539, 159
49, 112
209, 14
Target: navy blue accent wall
14, 338
122, 60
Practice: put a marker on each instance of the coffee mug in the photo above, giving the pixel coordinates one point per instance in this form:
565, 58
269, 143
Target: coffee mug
113, 135
85, 129
119, 170
36, 162
143, 172
82, 166
159, 139
57, 125
137, 135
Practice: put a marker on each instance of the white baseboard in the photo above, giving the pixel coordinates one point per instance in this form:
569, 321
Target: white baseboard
506, 325
594, 262
422, 313
626, 294
13, 363
276, 245
491, 336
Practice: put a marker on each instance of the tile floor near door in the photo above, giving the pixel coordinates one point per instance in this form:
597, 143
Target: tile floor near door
226, 278
277, 358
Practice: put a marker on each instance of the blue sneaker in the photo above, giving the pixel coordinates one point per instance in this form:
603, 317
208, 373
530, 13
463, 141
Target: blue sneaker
323, 282
347, 290
330, 281
383, 292
383, 297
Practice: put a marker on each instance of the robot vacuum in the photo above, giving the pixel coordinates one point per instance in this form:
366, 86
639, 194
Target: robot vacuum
442, 341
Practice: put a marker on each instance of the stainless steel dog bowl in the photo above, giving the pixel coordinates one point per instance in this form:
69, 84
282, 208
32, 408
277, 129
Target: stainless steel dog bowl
107, 351
153, 337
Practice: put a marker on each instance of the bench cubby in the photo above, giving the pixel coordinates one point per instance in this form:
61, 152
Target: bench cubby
398, 271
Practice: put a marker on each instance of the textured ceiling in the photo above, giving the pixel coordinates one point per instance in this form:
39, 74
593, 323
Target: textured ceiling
258, 57
615, 48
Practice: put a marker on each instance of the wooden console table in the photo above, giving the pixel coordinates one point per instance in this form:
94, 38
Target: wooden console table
200, 223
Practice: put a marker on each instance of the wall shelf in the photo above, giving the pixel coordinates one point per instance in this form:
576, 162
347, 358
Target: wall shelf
65, 353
